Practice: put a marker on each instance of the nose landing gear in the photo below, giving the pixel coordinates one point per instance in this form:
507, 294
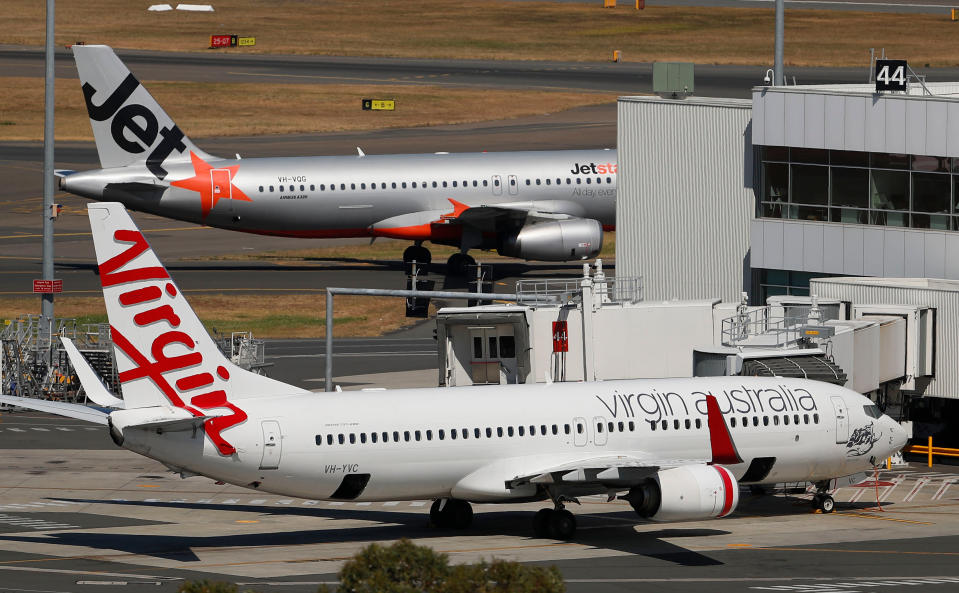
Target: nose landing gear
822, 500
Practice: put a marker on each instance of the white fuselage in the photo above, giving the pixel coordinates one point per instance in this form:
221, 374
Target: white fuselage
321, 438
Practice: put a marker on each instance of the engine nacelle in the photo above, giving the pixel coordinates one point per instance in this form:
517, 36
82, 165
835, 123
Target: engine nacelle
686, 493
560, 240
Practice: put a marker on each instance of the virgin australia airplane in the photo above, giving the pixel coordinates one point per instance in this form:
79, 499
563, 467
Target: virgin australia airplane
675, 449
549, 206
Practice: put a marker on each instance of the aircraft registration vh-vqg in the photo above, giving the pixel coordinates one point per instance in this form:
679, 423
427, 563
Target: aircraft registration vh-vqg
545, 205
675, 449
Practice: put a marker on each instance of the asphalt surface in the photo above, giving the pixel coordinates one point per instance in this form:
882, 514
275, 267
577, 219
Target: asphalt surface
920, 7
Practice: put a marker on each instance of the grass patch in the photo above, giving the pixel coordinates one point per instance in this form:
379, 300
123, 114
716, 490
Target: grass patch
499, 29
257, 109
355, 316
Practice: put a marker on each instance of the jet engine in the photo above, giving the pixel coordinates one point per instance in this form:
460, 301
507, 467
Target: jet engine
686, 493
559, 240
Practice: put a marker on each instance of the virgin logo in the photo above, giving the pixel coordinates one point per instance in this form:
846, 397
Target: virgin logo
201, 387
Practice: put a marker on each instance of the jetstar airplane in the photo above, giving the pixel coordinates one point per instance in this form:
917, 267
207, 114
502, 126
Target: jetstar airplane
675, 449
550, 206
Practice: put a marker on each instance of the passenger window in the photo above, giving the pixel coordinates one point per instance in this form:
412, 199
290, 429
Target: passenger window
362, 186
579, 180
454, 183
302, 188
765, 420
499, 431
465, 183
776, 420
386, 437
322, 187
434, 184
542, 429
406, 435
342, 186
688, 424
329, 439
453, 433
559, 181
509, 431
652, 425
261, 189
444, 184
609, 180
555, 429
599, 427
416, 435
566, 428
414, 185
665, 424
568, 181
527, 182
537, 182
496, 182
485, 183
548, 180
676, 424
271, 188
815, 418
396, 436
489, 432
441, 434
476, 433
532, 430
805, 418
579, 428
352, 186
372, 437
589, 180
732, 422
372, 186
796, 419
393, 185
352, 438
319, 439
632, 426
699, 423
429, 435
362, 437
281, 188
404, 185
474, 183
521, 430
755, 420
599, 180
786, 420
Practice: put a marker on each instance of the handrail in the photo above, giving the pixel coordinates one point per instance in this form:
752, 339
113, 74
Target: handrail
929, 450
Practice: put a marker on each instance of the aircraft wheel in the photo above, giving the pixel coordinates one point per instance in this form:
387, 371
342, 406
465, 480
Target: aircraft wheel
439, 516
460, 514
562, 525
816, 501
417, 253
456, 265
827, 503
541, 522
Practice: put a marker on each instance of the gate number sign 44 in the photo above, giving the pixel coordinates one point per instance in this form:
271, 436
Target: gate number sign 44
890, 75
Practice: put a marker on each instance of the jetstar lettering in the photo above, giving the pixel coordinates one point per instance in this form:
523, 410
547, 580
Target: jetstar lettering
139, 121
594, 169
147, 300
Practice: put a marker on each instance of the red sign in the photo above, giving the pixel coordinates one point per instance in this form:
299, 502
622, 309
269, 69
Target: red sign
220, 41
47, 286
560, 337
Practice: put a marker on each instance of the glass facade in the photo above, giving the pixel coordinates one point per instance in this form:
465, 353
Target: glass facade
859, 187
785, 282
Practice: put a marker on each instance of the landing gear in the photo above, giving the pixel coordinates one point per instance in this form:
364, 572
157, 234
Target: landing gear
822, 500
554, 524
451, 513
458, 264
421, 255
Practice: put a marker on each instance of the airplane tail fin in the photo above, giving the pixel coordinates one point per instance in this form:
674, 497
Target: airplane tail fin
165, 357
129, 126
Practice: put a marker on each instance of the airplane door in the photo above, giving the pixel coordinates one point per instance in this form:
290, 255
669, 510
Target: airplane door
580, 434
599, 423
513, 185
272, 445
221, 184
497, 185
842, 419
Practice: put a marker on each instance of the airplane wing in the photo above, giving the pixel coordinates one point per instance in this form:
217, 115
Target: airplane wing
609, 470
484, 217
59, 408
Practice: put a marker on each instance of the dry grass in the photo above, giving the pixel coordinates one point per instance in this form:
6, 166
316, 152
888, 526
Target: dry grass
499, 30
256, 109
287, 316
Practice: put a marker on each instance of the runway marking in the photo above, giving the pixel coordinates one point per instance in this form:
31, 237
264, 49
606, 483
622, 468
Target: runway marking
76, 572
866, 516
837, 550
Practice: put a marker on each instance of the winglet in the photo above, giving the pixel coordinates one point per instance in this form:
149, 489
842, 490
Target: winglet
92, 385
723, 449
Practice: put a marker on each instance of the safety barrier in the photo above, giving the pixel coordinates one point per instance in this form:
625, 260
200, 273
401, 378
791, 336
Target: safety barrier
929, 450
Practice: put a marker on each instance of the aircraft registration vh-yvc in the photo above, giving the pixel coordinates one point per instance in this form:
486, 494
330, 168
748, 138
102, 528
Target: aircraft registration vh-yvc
543, 205
675, 449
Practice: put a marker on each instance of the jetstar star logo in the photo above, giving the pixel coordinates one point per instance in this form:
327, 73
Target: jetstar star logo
212, 183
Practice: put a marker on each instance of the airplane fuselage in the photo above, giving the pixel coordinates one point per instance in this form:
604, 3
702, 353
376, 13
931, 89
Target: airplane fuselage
352, 196
400, 444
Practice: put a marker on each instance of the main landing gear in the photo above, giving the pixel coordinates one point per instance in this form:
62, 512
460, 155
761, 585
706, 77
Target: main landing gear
421, 255
822, 501
555, 523
458, 264
450, 512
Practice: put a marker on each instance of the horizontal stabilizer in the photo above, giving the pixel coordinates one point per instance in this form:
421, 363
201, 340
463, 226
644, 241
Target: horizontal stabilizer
92, 385
59, 408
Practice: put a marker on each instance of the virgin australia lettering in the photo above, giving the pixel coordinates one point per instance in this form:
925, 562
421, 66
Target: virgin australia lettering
675, 449
532, 205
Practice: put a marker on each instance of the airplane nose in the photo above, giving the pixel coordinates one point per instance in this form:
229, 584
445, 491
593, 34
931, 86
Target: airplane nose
898, 434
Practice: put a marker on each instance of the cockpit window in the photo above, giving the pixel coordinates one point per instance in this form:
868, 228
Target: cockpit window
872, 410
